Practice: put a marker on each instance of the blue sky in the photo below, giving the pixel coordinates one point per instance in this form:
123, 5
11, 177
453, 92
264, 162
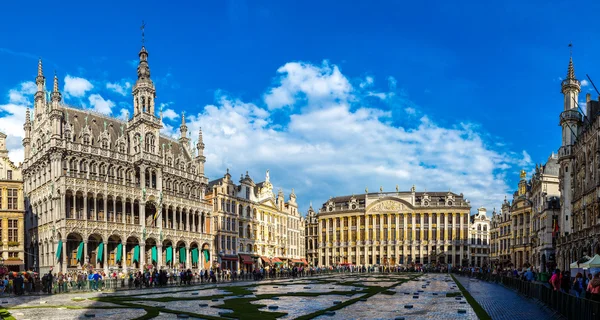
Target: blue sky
330, 98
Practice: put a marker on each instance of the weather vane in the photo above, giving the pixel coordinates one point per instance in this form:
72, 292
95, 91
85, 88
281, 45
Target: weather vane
142, 28
571, 49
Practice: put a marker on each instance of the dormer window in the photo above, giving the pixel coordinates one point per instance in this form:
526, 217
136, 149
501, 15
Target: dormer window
169, 162
122, 147
104, 143
86, 139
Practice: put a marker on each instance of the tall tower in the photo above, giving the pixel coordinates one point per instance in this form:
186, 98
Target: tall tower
143, 91
570, 121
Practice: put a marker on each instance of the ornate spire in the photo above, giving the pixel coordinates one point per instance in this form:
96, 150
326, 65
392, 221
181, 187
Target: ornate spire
40, 74
571, 71
56, 96
183, 128
27, 117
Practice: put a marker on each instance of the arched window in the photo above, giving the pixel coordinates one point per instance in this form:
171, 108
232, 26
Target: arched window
485, 228
240, 210
149, 147
86, 139
122, 147
105, 143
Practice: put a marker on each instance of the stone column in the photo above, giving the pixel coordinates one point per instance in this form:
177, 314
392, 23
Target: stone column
124, 255
159, 220
143, 214
114, 209
326, 243
64, 255
123, 211
105, 208
188, 264
85, 210
104, 254
132, 211
187, 220
405, 239
85, 252
142, 255
142, 176
454, 263
462, 236
159, 262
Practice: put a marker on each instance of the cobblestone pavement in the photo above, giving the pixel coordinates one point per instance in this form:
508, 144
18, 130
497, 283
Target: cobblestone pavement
421, 298
502, 303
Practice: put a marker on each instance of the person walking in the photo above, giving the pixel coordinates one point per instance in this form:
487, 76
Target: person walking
594, 287
578, 285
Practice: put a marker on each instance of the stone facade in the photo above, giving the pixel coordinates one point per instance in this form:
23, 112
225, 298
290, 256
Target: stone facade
394, 228
253, 227
312, 237
12, 212
579, 159
501, 236
103, 193
479, 236
523, 234
546, 210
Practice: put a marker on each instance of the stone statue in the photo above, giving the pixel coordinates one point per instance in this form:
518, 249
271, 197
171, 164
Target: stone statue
397, 189
267, 178
381, 189
160, 199
144, 234
366, 189
144, 194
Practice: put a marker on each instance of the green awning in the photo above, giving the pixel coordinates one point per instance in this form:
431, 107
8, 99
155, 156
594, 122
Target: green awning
169, 255
119, 252
154, 254
136, 254
195, 255
100, 252
206, 255
182, 254
59, 249
80, 252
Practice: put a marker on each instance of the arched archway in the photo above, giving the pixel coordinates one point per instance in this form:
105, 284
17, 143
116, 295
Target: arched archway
95, 251
151, 254
168, 256
74, 250
181, 255
205, 256
114, 251
133, 252
195, 255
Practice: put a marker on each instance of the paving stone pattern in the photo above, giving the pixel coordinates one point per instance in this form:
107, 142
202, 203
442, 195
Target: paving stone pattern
502, 303
422, 298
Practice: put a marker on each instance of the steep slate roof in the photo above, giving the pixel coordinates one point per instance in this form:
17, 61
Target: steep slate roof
76, 117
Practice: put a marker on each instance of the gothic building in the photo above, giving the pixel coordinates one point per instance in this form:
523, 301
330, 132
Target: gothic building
253, 227
394, 228
103, 193
312, 237
579, 162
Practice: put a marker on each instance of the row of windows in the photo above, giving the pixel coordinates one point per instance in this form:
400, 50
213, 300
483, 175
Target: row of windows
13, 230
12, 200
390, 219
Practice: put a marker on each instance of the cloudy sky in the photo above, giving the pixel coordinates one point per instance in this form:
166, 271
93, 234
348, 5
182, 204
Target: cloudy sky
331, 99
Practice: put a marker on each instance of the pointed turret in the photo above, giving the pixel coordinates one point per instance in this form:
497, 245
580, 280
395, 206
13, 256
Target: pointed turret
27, 129
183, 130
40, 96
56, 96
200, 144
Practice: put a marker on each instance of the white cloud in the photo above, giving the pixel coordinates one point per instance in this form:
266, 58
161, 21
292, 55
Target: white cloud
318, 85
331, 141
99, 104
120, 88
76, 87
13, 118
341, 144
170, 114
367, 82
123, 114
584, 83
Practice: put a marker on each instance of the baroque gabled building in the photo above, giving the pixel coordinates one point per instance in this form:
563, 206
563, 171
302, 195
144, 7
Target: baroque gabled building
253, 226
105, 193
501, 236
546, 210
12, 212
579, 175
312, 237
479, 236
394, 228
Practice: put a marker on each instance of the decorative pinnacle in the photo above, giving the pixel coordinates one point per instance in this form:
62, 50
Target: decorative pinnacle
183, 118
55, 89
27, 116
40, 68
571, 72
